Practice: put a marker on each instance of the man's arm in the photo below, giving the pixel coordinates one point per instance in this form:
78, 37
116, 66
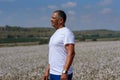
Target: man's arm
46, 75
69, 59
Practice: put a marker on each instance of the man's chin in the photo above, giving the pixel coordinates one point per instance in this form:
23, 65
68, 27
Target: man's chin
52, 25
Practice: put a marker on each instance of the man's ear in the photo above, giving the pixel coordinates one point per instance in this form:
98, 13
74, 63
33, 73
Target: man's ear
61, 21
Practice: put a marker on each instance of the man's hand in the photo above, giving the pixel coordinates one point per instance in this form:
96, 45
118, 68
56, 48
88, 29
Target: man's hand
64, 77
45, 77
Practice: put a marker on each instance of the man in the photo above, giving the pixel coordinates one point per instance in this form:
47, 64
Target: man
61, 49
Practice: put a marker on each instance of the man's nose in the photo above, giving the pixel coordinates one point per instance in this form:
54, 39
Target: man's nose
51, 19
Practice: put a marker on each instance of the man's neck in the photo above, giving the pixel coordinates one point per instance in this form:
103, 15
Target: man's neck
61, 26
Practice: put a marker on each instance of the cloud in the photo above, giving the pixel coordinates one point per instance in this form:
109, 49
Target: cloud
28, 9
69, 5
106, 11
86, 17
71, 12
106, 2
88, 7
52, 7
7, 0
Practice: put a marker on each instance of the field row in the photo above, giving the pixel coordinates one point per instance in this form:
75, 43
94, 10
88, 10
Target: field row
93, 61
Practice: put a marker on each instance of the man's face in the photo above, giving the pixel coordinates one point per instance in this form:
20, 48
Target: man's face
55, 20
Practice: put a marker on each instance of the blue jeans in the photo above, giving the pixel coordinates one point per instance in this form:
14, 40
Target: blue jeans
57, 77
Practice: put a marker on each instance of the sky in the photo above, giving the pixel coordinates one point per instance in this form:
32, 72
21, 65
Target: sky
81, 14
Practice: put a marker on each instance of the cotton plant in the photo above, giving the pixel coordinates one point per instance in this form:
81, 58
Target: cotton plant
93, 61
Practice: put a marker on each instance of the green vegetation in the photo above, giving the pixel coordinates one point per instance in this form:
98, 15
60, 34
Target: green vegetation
16, 34
95, 35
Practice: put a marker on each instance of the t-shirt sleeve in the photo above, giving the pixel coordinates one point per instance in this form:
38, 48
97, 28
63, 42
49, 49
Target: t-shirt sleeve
69, 38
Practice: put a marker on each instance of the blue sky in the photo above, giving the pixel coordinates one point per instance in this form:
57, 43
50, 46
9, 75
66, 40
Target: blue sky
81, 14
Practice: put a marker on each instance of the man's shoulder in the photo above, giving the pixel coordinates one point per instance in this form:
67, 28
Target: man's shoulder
67, 29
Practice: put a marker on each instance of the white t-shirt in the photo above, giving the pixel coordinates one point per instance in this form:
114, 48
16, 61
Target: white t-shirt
57, 51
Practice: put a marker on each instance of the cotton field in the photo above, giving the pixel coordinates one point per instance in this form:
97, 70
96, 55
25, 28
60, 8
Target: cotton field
93, 61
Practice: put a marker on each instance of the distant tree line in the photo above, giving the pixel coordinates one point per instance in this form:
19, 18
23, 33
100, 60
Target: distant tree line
14, 34
95, 37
